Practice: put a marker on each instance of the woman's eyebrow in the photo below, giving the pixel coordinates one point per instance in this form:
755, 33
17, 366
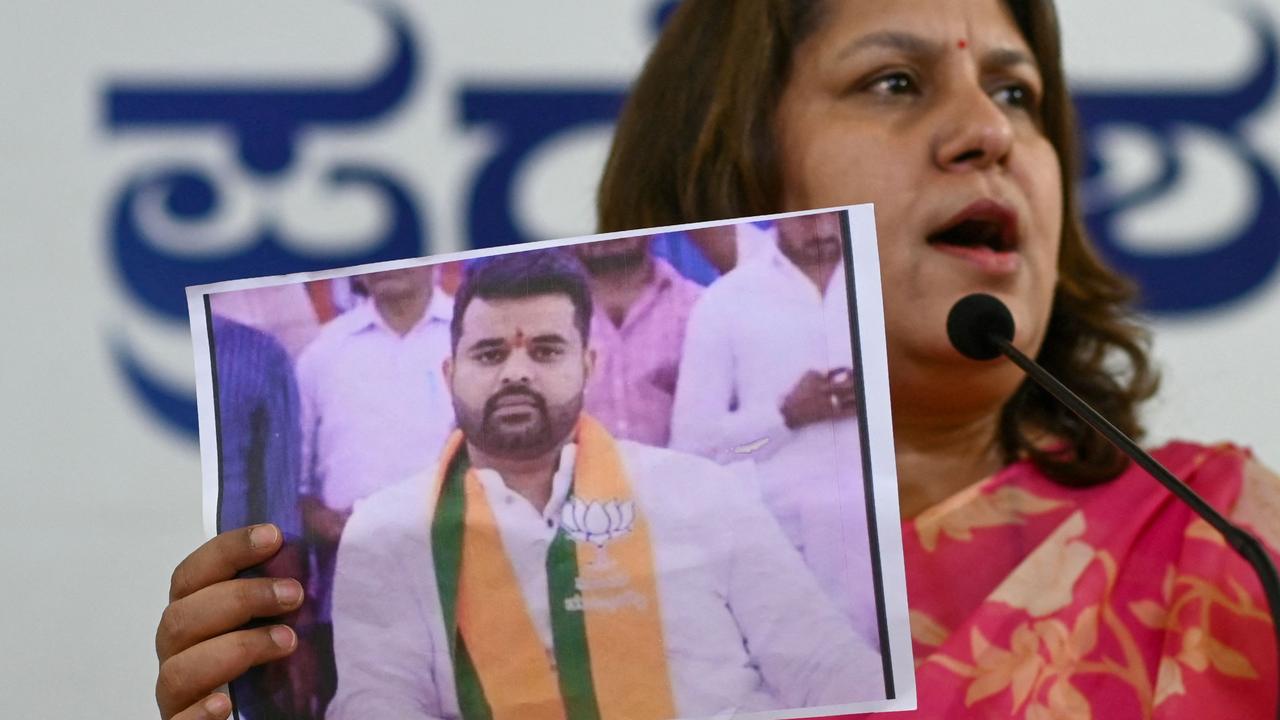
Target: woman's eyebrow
912, 44
1007, 57
894, 40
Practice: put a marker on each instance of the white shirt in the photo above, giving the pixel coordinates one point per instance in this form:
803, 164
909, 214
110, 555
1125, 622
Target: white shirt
527, 535
746, 627
375, 406
751, 241
751, 337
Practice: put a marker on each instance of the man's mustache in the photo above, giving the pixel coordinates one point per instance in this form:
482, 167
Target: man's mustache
491, 405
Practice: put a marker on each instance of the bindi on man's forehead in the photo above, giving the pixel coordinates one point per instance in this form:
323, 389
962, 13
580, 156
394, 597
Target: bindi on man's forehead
962, 44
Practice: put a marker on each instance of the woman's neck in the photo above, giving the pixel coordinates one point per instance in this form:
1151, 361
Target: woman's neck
938, 459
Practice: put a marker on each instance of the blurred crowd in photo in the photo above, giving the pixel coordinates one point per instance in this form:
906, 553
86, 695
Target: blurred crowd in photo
734, 342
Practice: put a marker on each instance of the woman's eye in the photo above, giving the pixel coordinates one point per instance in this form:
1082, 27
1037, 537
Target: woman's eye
1016, 96
895, 83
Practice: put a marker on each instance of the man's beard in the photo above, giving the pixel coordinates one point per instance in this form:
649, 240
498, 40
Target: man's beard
532, 438
612, 263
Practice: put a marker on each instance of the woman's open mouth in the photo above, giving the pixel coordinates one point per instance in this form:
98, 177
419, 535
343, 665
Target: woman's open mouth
985, 234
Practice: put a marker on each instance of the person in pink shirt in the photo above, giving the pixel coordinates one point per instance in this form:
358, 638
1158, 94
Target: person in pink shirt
642, 306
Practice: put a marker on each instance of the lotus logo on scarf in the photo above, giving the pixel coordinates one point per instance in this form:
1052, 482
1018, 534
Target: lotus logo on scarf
595, 522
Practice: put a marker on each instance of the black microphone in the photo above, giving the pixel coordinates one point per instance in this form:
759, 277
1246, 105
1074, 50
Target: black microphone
980, 327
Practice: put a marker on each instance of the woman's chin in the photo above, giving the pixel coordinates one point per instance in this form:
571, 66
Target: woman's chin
932, 376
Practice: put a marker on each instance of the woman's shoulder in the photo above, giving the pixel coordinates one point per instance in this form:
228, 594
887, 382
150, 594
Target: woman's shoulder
1258, 506
1192, 455
1214, 469
1254, 488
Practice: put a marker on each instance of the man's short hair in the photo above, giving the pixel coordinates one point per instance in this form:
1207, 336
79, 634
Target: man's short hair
523, 274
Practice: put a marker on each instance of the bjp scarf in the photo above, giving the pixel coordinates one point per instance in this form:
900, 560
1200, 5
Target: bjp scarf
609, 658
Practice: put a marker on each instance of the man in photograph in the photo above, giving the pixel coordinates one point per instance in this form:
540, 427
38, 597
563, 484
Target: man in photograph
545, 569
374, 409
374, 405
642, 306
768, 377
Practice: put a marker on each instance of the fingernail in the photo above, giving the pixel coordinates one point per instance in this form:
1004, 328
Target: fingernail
288, 592
282, 636
217, 705
263, 536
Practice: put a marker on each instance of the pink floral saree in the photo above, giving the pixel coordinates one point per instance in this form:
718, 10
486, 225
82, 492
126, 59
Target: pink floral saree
1032, 600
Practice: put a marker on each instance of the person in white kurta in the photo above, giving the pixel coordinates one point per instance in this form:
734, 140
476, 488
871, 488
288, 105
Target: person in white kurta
374, 406
751, 338
746, 627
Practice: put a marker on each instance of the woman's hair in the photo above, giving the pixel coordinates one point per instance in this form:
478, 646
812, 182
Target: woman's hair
695, 142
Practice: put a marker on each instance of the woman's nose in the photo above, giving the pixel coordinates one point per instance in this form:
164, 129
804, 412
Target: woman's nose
974, 131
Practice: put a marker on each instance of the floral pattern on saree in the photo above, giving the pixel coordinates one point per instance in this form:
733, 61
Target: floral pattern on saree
1032, 600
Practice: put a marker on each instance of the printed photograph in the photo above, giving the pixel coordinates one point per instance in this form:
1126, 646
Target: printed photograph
617, 477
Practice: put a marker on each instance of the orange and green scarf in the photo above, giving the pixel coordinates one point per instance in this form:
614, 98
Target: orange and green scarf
609, 655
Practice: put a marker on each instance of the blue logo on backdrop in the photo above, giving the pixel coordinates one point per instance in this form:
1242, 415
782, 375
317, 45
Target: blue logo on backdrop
265, 123
524, 119
1222, 269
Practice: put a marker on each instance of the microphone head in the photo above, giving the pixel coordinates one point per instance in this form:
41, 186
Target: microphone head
974, 324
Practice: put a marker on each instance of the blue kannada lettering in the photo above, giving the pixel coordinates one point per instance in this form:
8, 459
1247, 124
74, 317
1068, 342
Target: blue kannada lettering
1183, 281
523, 119
156, 277
265, 122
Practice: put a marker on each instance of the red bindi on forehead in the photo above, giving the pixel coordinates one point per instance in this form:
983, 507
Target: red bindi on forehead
519, 340
962, 43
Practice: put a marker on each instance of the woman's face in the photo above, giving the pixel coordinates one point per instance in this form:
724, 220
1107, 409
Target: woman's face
929, 109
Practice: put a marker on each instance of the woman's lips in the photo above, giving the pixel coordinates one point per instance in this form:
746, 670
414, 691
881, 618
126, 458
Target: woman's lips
983, 258
983, 234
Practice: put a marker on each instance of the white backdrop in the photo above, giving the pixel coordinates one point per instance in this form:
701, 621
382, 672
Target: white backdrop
99, 486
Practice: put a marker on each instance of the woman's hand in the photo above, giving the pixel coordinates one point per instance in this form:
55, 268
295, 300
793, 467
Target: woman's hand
201, 642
